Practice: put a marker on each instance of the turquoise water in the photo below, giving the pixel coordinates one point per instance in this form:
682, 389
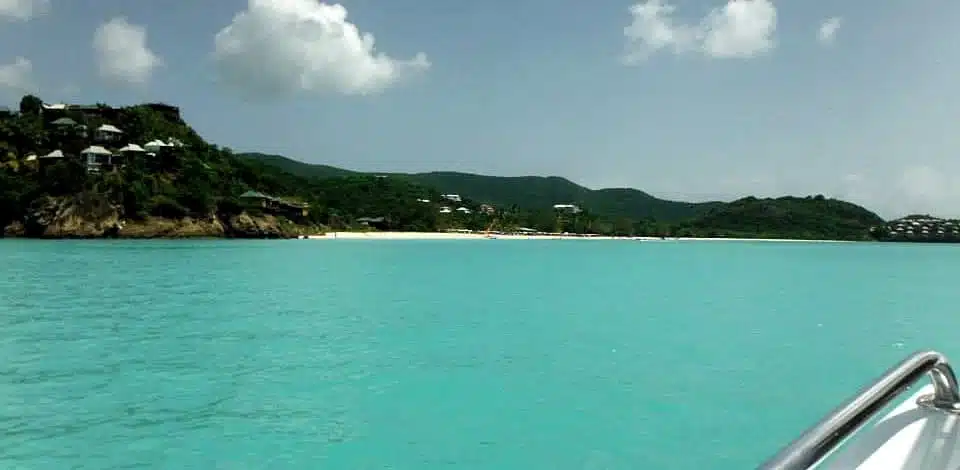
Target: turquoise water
430, 355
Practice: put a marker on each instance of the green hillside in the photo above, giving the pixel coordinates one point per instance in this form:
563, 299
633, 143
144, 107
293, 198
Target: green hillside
98, 170
535, 192
298, 168
141, 171
622, 211
525, 192
812, 217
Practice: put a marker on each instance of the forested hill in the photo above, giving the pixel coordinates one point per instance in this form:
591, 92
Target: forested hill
630, 211
525, 192
545, 191
296, 167
75, 170
810, 218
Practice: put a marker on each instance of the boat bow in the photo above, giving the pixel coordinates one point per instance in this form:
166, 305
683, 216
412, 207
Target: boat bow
923, 432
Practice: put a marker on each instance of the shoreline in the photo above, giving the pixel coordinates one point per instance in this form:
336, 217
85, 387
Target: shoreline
480, 236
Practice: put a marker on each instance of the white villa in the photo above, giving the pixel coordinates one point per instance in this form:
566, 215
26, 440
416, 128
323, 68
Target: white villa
108, 133
920, 228
568, 208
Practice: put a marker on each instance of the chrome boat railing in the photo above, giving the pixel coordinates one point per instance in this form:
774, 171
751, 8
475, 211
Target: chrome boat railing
821, 439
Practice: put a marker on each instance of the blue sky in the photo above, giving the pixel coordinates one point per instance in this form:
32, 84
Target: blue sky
722, 98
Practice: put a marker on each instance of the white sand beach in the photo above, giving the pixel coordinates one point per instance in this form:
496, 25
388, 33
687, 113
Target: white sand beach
481, 236
447, 236
781, 240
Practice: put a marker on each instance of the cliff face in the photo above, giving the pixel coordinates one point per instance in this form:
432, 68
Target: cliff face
266, 226
92, 216
85, 215
156, 227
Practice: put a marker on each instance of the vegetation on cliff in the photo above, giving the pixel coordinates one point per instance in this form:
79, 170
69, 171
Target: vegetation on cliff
71, 171
141, 171
810, 218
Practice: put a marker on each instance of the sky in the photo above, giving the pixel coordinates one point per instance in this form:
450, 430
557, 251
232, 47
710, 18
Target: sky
685, 99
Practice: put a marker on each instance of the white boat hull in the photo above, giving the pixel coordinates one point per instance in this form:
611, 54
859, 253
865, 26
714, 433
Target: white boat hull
911, 437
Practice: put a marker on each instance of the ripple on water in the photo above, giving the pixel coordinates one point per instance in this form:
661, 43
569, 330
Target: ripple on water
442, 355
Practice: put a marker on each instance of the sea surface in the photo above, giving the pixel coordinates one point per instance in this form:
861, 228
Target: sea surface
476, 354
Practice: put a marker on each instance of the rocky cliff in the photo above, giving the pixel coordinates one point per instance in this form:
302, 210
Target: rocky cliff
90, 215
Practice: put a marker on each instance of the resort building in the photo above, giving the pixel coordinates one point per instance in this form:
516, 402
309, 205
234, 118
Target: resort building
379, 223
267, 203
923, 228
567, 208
108, 133
96, 157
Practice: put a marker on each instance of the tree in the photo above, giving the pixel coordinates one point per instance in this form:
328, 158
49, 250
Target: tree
30, 105
880, 232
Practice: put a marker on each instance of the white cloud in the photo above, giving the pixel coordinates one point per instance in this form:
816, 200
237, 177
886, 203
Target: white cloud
122, 52
742, 28
856, 188
920, 189
23, 10
277, 46
925, 189
739, 29
828, 30
653, 29
16, 78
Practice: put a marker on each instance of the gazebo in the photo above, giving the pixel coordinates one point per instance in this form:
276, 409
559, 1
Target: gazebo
155, 146
132, 148
64, 122
95, 156
48, 159
108, 133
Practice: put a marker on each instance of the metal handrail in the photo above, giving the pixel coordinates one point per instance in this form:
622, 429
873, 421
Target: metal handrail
821, 439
